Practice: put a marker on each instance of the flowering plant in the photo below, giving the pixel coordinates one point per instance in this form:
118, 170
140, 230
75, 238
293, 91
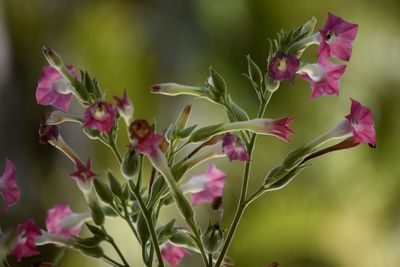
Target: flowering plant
174, 152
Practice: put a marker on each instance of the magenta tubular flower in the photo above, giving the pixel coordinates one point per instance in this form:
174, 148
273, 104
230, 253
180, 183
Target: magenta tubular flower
173, 254
362, 123
8, 186
206, 187
280, 128
149, 145
25, 245
83, 174
234, 148
124, 106
62, 222
337, 37
323, 77
100, 116
283, 67
53, 89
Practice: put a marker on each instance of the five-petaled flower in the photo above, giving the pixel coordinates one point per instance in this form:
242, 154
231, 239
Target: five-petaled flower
337, 37
62, 222
234, 148
206, 187
283, 67
53, 89
324, 77
362, 123
25, 244
100, 116
8, 186
83, 173
173, 254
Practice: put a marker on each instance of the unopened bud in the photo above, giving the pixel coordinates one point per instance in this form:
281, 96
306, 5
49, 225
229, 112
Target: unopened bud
52, 57
183, 117
139, 129
130, 163
218, 84
254, 71
213, 238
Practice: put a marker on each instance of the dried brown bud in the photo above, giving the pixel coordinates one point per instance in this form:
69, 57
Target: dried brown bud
139, 129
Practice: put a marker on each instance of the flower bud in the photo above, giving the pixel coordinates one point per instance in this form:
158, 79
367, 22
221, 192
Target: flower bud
130, 163
206, 133
97, 213
52, 57
182, 239
213, 238
218, 85
271, 84
254, 72
103, 191
142, 229
173, 89
183, 117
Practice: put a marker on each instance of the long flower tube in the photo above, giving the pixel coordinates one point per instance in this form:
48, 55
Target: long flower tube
278, 128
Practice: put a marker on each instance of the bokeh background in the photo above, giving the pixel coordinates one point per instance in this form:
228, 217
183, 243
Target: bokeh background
341, 212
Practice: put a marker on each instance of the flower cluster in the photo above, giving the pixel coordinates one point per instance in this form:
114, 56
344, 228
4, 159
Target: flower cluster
173, 154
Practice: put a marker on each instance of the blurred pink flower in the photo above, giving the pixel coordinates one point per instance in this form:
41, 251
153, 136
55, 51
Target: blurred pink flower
173, 254
56, 221
124, 105
206, 187
149, 144
280, 128
83, 173
53, 89
362, 123
25, 244
8, 186
283, 67
336, 38
234, 148
324, 77
100, 116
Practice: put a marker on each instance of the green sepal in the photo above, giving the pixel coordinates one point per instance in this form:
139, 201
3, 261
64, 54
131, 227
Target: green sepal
97, 213
115, 185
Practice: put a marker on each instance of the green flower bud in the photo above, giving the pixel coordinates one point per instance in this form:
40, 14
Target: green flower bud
94, 252
130, 163
142, 229
254, 72
115, 186
271, 84
213, 238
173, 89
103, 191
182, 239
218, 85
52, 57
183, 117
206, 133
97, 213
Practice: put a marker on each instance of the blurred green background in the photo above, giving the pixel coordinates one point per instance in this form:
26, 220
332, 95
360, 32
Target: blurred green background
342, 212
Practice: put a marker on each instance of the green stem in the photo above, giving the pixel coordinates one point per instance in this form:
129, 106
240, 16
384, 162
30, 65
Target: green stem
243, 192
113, 146
195, 230
111, 261
115, 246
149, 221
129, 221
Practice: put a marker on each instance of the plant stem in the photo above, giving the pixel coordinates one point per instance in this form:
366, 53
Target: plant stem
243, 192
115, 246
112, 262
149, 221
113, 146
194, 229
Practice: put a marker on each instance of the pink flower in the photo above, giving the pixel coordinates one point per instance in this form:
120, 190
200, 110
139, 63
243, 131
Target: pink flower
53, 89
149, 145
234, 148
173, 254
124, 105
323, 77
8, 186
56, 221
100, 116
280, 128
362, 123
25, 245
83, 173
206, 187
283, 67
336, 38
